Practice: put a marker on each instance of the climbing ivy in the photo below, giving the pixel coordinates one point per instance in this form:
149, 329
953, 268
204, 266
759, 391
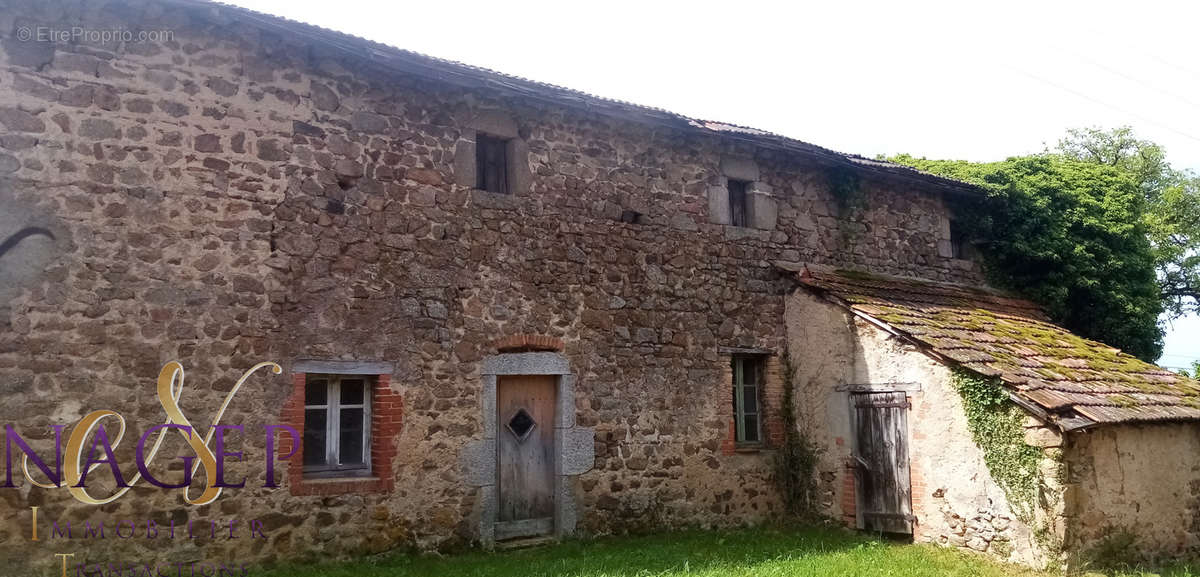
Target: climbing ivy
851, 200
796, 460
997, 427
847, 191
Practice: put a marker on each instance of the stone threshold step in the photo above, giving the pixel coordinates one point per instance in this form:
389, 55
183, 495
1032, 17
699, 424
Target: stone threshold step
525, 543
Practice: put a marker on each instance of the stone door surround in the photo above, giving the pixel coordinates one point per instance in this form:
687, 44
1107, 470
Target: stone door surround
574, 450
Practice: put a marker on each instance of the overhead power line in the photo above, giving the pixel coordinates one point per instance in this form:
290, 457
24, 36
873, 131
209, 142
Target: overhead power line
1089, 98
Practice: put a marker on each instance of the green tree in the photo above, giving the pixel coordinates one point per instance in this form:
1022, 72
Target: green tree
1068, 234
1172, 213
1145, 161
1174, 222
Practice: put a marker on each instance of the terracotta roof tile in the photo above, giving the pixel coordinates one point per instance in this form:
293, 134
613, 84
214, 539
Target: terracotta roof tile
1076, 381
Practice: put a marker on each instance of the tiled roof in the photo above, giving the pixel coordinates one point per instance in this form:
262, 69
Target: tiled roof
454, 72
1072, 381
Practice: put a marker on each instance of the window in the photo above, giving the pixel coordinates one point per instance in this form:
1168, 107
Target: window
337, 417
491, 164
747, 385
739, 215
958, 241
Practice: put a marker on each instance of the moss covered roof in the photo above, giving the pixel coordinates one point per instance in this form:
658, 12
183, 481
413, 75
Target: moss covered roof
1075, 381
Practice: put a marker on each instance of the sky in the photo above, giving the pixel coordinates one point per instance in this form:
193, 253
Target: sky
964, 80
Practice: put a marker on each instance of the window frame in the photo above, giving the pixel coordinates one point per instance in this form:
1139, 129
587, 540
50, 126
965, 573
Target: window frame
483, 143
739, 201
738, 365
333, 413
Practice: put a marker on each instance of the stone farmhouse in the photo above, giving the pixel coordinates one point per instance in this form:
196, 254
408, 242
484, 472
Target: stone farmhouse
507, 310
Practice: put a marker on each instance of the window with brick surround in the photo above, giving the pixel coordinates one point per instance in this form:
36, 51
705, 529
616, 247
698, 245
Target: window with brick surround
337, 425
747, 398
739, 210
358, 466
491, 163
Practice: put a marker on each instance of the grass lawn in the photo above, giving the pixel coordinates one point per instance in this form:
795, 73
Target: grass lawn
763, 552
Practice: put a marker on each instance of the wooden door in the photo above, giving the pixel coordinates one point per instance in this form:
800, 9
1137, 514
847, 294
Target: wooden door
525, 446
884, 489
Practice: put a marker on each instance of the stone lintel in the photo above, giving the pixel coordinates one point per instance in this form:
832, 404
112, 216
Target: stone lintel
739, 168
538, 363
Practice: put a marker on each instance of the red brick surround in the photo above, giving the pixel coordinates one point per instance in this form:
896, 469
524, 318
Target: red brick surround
772, 406
849, 497
915, 472
387, 411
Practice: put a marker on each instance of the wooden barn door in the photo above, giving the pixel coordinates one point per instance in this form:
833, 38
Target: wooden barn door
525, 447
884, 490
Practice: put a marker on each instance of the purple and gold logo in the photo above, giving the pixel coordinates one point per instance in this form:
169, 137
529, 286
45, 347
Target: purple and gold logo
71, 470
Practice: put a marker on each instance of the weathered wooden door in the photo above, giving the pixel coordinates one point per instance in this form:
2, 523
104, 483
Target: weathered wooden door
884, 486
525, 448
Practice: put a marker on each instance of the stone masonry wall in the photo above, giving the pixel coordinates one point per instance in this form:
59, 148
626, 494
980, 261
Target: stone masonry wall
231, 195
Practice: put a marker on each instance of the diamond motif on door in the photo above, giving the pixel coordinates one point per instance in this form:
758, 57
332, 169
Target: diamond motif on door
521, 425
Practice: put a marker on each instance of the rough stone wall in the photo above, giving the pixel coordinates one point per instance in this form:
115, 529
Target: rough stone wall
230, 196
1135, 480
954, 498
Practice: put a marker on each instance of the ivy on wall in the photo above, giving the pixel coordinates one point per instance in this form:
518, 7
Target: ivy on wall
796, 460
851, 201
997, 427
847, 191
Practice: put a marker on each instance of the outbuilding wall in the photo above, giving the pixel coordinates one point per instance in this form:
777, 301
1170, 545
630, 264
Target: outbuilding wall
955, 500
1135, 490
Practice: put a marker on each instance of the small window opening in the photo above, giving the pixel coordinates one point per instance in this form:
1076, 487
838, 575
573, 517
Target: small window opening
631, 217
958, 240
491, 164
747, 389
738, 210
